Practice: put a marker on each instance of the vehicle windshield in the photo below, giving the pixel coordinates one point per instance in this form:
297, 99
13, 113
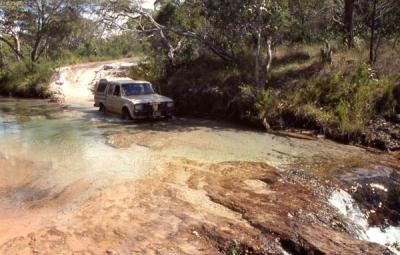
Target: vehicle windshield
135, 89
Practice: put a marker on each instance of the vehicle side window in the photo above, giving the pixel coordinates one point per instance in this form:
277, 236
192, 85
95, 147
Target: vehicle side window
110, 89
102, 87
117, 91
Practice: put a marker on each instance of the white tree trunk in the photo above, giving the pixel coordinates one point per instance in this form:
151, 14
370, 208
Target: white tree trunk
258, 52
269, 55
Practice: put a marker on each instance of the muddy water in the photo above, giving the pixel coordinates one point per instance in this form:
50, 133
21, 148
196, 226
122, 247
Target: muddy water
55, 160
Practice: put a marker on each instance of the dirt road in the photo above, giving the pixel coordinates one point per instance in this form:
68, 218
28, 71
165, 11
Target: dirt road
73, 85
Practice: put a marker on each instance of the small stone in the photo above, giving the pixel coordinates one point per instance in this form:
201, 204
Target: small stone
108, 67
111, 252
195, 233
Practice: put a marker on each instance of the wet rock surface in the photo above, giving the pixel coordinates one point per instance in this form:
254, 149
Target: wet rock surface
199, 208
377, 189
368, 188
291, 213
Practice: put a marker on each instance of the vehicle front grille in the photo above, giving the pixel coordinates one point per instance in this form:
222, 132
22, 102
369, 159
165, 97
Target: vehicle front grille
156, 107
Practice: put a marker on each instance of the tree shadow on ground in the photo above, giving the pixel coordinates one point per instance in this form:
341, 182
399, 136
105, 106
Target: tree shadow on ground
288, 77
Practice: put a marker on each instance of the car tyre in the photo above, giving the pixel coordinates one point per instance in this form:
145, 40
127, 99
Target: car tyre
125, 114
102, 109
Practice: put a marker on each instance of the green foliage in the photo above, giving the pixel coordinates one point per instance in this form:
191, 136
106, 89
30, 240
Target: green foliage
346, 100
27, 79
266, 103
234, 249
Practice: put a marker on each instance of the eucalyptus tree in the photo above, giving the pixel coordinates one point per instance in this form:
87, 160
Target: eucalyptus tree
225, 27
10, 26
382, 17
32, 27
122, 14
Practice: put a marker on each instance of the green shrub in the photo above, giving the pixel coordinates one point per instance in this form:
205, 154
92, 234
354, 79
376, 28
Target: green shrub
319, 116
388, 103
27, 79
266, 104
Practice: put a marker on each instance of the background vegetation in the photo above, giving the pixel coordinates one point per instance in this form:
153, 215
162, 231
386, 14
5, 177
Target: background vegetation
38, 36
308, 65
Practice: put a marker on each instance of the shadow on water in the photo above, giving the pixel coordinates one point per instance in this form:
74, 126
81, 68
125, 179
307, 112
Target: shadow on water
25, 194
177, 124
21, 112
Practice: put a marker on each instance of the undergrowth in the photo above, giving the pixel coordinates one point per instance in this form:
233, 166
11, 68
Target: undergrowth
301, 91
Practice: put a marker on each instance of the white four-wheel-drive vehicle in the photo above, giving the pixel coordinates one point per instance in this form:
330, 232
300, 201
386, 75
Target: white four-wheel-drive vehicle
132, 99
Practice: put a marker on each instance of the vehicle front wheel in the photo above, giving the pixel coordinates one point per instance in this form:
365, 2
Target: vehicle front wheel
125, 114
102, 109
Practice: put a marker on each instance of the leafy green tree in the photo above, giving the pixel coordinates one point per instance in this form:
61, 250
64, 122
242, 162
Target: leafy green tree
35, 27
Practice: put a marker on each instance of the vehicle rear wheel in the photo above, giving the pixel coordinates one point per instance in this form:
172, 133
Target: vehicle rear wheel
102, 109
125, 114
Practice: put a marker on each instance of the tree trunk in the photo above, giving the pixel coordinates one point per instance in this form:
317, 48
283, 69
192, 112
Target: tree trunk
13, 45
373, 27
377, 45
258, 51
2, 57
35, 48
349, 22
257, 66
266, 63
269, 55
18, 47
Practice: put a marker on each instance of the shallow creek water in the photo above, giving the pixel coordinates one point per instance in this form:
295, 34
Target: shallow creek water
47, 151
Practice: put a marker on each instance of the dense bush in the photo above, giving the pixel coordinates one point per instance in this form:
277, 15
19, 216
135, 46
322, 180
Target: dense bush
26, 79
30, 79
340, 98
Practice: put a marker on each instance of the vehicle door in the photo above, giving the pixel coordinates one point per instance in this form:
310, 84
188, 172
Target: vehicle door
100, 94
117, 100
109, 97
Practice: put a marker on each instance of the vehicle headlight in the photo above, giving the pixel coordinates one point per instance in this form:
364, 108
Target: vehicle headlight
170, 104
138, 107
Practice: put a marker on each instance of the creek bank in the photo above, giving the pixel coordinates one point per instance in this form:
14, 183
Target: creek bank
380, 134
344, 104
225, 104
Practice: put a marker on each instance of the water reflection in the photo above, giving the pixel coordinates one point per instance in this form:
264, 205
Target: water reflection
72, 147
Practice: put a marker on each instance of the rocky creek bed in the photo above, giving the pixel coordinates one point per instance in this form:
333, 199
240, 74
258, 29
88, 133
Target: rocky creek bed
76, 182
73, 181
